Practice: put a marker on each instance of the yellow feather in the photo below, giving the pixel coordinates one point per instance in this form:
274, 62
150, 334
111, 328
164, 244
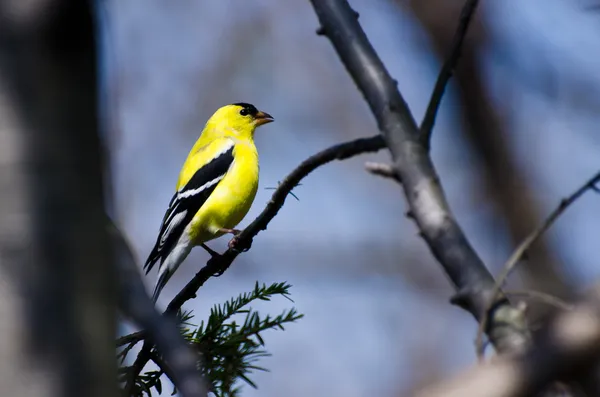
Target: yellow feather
229, 203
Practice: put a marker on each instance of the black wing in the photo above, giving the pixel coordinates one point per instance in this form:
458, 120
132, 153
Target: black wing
186, 203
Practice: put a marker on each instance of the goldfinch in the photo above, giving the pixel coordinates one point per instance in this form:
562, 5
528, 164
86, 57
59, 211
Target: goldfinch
216, 187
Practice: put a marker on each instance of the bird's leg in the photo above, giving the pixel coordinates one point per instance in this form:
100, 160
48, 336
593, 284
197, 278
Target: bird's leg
235, 232
211, 251
233, 243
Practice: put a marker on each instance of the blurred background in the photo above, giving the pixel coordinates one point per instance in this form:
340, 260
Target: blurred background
517, 132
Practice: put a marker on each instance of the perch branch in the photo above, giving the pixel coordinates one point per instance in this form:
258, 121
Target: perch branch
447, 71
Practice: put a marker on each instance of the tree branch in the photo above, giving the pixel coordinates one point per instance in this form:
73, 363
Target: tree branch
447, 71
541, 297
136, 368
423, 192
164, 367
382, 170
131, 338
525, 245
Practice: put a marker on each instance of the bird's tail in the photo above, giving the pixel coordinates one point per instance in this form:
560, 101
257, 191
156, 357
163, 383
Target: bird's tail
163, 277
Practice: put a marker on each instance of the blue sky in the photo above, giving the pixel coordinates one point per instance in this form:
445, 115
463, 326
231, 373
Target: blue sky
375, 301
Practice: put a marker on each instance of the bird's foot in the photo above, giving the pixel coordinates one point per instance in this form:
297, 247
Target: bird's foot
234, 244
235, 232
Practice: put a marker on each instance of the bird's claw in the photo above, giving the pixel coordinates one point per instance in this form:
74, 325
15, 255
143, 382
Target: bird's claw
234, 244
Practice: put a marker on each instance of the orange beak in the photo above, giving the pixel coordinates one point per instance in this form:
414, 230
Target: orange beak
263, 118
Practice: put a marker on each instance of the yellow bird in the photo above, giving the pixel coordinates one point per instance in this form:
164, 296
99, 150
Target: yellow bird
216, 187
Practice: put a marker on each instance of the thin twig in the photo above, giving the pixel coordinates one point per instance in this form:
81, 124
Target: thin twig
382, 170
138, 365
163, 366
516, 256
134, 337
447, 71
541, 297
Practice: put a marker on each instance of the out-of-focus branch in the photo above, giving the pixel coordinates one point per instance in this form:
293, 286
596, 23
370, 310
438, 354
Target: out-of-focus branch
542, 297
447, 70
566, 349
516, 256
59, 283
135, 303
422, 189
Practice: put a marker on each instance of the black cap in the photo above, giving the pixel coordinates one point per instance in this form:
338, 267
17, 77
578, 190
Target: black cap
250, 109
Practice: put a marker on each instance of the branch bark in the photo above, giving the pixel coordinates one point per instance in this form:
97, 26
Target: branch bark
474, 284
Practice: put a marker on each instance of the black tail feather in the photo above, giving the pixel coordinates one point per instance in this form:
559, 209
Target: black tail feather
163, 277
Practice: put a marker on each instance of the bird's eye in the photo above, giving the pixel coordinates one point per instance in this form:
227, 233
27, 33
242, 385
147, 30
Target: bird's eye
244, 112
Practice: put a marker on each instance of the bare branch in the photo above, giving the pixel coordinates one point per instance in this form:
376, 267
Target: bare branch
568, 347
446, 73
524, 246
383, 170
541, 297
138, 365
422, 189
163, 366
131, 338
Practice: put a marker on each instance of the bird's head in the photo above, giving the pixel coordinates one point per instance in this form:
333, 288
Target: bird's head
238, 119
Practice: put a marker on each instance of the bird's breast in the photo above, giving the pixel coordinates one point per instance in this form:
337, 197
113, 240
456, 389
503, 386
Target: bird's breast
231, 200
